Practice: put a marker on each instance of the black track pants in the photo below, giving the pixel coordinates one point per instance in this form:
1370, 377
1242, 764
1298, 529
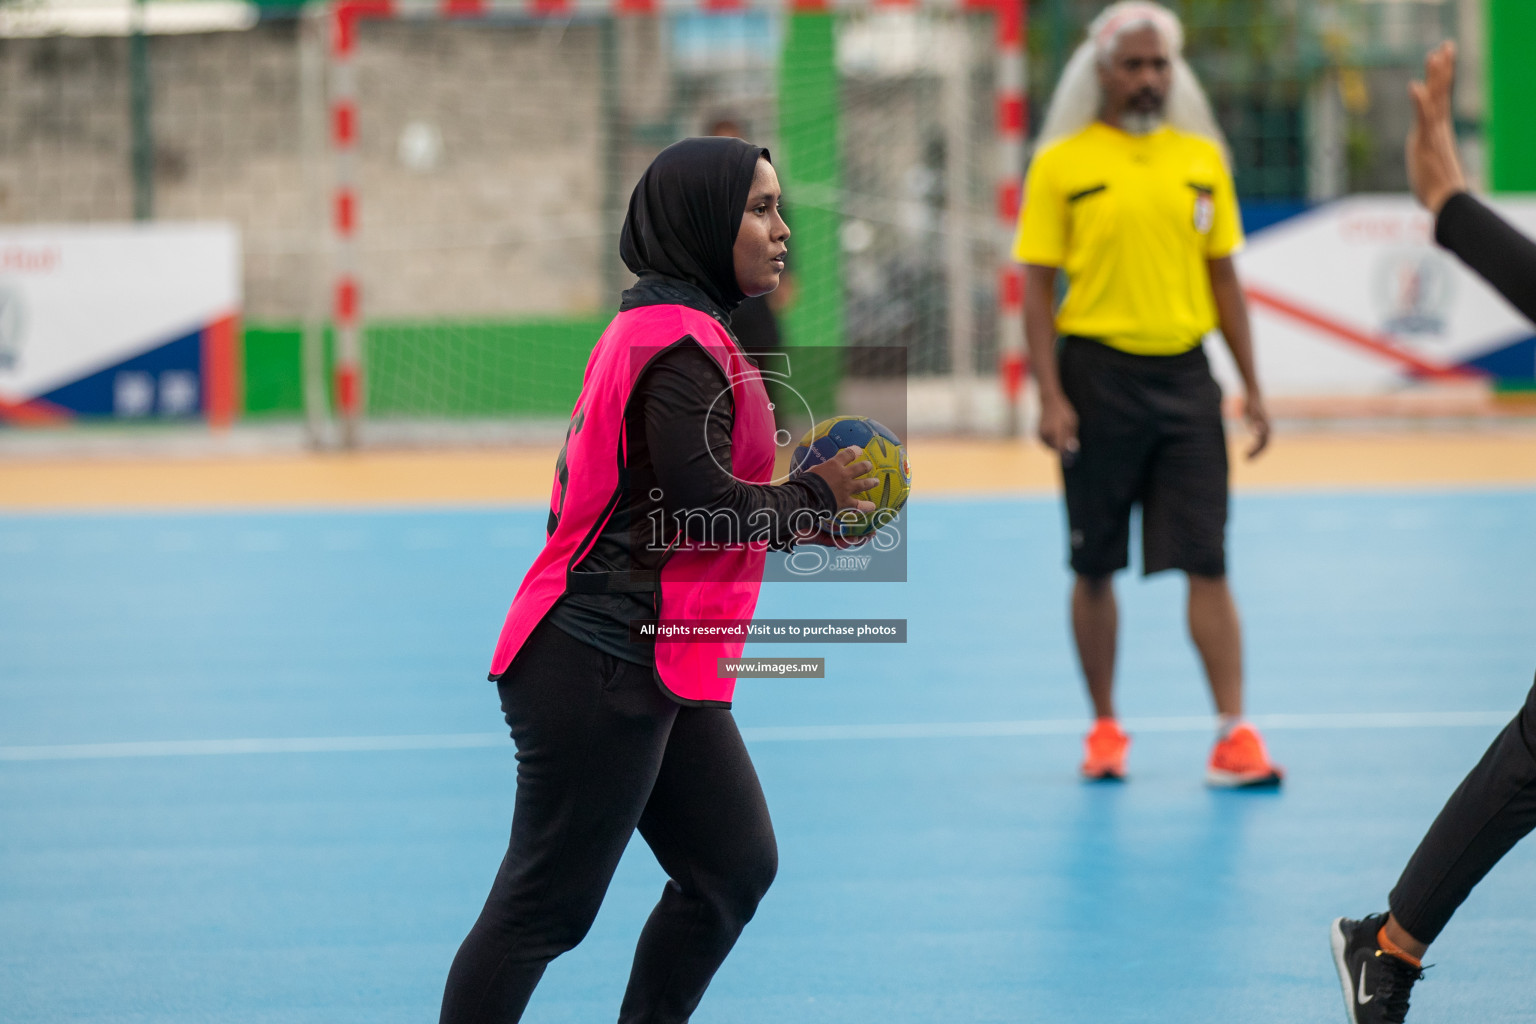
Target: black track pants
602, 751
1491, 811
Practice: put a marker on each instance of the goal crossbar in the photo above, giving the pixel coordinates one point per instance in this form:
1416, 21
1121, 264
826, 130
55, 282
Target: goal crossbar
343, 17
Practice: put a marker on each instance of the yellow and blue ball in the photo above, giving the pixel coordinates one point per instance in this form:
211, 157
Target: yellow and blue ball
884, 451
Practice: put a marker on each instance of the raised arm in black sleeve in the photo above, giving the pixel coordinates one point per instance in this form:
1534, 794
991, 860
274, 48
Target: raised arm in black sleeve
688, 415
1488, 244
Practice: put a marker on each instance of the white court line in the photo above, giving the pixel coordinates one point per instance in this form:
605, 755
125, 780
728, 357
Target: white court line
1075, 726
756, 734
299, 745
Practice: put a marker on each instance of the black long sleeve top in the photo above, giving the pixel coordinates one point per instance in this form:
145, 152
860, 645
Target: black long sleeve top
1490, 245
678, 423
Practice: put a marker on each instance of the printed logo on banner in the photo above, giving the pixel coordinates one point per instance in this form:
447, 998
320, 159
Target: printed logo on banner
13, 325
135, 393
1413, 291
178, 393
165, 381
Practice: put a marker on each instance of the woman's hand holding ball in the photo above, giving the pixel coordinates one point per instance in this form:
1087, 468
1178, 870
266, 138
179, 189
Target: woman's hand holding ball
848, 478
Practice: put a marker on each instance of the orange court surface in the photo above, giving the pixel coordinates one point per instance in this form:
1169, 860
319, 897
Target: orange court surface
1504, 456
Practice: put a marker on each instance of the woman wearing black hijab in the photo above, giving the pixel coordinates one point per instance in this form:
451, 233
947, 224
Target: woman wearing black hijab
605, 744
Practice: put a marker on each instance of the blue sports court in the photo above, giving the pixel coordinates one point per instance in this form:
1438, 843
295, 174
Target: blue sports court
251, 772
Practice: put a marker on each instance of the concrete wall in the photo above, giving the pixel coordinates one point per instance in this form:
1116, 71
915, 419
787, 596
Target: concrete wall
505, 218
226, 127
495, 162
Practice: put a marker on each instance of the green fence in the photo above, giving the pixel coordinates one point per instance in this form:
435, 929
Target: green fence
1287, 79
463, 369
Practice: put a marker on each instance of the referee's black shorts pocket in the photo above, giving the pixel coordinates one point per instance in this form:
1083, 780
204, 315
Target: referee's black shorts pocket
1184, 504
1102, 483
1102, 480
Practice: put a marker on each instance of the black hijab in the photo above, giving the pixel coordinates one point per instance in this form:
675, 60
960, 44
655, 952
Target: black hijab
683, 219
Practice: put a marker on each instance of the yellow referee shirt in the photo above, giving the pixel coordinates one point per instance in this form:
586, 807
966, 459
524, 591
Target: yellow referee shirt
1132, 220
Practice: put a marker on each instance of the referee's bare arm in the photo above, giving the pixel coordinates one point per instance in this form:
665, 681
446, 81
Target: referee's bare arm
1058, 420
1232, 318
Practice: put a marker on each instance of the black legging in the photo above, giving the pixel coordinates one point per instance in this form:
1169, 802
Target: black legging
602, 751
1491, 811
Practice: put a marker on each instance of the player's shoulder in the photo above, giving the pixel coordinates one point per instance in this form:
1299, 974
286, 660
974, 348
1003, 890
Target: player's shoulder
669, 318
1065, 148
1200, 148
1065, 160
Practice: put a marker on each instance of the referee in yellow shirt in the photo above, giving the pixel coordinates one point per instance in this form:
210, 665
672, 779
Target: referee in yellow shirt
1131, 197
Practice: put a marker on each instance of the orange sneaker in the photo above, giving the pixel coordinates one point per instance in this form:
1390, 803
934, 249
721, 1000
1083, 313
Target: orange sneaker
1104, 751
1241, 762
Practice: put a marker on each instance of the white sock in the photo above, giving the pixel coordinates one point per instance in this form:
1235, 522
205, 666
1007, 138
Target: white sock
1225, 724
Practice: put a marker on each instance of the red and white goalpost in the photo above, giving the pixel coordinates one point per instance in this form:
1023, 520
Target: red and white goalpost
343, 20
1012, 129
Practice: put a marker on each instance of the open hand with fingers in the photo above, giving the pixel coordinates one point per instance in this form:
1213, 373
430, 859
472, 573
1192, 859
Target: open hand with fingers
847, 473
1258, 423
1433, 169
1058, 425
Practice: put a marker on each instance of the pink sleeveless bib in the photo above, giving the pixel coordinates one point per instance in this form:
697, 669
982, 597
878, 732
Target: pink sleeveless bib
719, 582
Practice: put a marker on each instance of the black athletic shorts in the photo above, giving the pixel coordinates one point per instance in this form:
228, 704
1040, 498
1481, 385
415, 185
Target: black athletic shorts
1150, 434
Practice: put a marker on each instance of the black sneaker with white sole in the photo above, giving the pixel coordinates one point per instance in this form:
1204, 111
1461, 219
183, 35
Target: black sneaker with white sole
1376, 983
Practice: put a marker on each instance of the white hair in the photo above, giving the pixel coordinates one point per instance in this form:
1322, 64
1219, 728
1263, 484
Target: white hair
1079, 97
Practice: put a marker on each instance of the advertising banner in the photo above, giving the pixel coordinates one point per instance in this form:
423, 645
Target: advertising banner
133, 321
1354, 298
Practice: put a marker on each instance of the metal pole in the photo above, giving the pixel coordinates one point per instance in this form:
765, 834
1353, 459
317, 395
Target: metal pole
1012, 127
312, 107
346, 300
957, 235
612, 143
139, 114
1327, 170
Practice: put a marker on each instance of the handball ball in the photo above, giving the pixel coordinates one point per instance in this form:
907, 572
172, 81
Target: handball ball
884, 451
